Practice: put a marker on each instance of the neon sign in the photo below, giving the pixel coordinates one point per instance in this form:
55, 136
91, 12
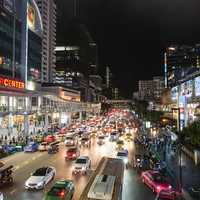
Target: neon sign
11, 83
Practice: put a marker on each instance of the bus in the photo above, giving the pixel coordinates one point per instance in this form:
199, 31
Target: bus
106, 183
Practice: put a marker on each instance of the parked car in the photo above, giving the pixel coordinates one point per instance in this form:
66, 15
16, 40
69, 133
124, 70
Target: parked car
40, 178
31, 147
155, 181
81, 165
63, 189
72, 153
195, 192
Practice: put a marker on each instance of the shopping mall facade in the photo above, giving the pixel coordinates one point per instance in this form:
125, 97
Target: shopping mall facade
24, 102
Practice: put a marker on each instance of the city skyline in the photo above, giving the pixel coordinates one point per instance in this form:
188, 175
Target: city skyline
123, 29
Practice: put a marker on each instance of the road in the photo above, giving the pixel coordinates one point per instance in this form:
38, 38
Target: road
25, 163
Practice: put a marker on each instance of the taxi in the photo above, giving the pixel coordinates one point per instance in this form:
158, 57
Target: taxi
63, 189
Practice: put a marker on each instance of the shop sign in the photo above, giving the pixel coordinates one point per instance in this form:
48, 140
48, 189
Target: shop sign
11, 83
186, 88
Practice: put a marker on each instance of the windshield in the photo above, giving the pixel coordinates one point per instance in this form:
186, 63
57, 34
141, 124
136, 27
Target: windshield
69, 138
72, 150
121, 154
159, 179
57, 191
113, 133
101, 137
84, 139
81, 161
40, 172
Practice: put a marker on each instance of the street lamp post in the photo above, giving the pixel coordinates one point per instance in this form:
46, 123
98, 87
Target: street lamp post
180, 148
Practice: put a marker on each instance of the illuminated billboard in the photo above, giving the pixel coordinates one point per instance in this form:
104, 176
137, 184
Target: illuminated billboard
174, 93
31, 17
186, 88
9, 5
197, 86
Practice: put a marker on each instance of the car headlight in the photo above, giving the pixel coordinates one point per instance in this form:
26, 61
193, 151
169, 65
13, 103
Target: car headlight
125, 160
40, 184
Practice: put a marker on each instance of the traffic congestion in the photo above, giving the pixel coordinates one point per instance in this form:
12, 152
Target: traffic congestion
59, 165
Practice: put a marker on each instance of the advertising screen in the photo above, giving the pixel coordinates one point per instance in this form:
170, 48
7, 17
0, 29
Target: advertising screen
174, 93
9, 5
186, 88
31, 17
197, 86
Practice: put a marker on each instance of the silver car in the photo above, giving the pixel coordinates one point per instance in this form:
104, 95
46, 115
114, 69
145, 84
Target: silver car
40, 178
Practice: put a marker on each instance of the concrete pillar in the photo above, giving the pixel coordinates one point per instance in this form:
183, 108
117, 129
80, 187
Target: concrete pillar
26, 125
46, 122
10, 116
80, 116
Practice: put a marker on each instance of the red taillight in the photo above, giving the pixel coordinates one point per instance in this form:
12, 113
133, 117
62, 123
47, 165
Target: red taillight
62, 194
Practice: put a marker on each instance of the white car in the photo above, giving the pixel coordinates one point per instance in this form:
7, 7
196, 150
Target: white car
82, 165
40, 178
123, 154
70, 141
43, 146
101, 140
1, 196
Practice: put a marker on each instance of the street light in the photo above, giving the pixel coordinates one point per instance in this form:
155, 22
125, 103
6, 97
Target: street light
180, 149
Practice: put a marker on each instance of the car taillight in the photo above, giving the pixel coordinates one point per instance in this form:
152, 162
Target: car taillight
61, 194
158, 188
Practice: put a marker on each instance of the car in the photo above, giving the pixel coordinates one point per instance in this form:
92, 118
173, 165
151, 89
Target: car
43, 146
101, 140
70, 141
40, 178
120, 145
123, 154
85, 141
155, 181
50, 138
128, 137
82, 165
114, 136
31, 147
63, 189
72, 153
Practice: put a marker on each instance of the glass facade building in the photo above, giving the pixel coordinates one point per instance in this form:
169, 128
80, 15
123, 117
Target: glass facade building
9, 35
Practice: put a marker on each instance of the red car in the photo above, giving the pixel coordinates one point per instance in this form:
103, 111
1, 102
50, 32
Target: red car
155, 181
72, 153
50, 138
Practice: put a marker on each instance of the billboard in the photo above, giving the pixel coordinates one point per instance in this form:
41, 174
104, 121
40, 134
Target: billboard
174, 93
8, 5
197, 86
186, 88
31, 17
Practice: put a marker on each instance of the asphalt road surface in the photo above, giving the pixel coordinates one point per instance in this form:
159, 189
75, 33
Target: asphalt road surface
26, 163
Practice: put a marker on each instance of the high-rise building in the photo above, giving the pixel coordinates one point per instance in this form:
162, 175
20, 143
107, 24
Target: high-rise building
151, 90
48, 12
180, 62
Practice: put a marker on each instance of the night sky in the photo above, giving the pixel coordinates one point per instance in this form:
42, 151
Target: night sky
131, 34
